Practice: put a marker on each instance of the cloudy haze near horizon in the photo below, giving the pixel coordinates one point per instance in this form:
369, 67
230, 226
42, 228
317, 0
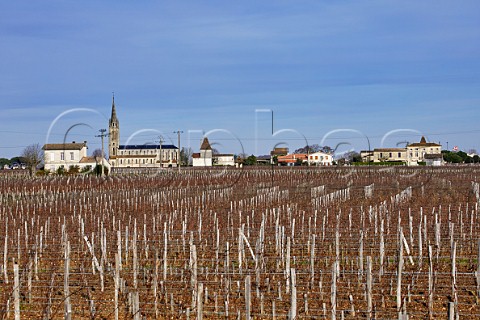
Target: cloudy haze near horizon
370, 67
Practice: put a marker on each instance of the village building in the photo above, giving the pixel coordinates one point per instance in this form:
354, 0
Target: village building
413, 154
390, 155
292, 159
224, 159
135, 156
67, 155
434, 159
320, 159
277, 152
366, 155
204, 158
207, 158
416, 151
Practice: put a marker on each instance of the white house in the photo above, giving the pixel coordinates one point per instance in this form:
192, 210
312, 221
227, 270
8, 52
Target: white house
205, 157
433, 159
320, 159
416, 152
66, 155
224, 159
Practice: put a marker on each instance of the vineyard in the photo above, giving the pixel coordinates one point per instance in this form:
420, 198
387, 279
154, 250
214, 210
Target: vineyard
260, 243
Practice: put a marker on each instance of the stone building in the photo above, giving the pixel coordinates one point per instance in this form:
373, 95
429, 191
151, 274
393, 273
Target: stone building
412, 154
416, 151
135, 156
67, 155
205, 157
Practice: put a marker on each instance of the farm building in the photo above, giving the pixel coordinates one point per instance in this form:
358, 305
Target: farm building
205, 157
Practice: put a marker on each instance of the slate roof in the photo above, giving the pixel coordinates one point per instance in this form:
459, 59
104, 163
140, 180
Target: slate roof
433, 156
64, 146
390, 150
145, 146
423, 143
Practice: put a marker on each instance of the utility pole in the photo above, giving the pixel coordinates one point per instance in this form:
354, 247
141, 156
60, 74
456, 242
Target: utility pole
103, 135
178, 132
308, 156
160, 141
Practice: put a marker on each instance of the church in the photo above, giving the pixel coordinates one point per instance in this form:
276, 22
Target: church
137, 156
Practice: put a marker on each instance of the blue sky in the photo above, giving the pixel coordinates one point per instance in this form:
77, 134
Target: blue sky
369, 67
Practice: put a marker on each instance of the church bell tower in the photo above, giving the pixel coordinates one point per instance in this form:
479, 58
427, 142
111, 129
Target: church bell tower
114, 134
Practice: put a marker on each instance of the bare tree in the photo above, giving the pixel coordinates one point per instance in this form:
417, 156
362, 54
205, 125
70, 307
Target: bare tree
97, 153
309, 149
33, 155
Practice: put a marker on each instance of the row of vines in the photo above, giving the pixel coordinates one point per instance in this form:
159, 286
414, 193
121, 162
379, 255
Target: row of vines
297, 243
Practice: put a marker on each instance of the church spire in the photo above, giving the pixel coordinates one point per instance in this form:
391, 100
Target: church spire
114, 111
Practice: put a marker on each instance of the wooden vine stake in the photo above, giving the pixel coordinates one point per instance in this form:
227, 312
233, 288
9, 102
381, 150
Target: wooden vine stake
248, 297
117, 282
200, 301
334, 290
293, 295
399, 274
454, 275
478, 271
430, 282
369, 287
16, 291
66, 288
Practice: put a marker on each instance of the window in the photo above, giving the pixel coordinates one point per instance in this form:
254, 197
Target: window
390, 155
52, 156
399, 154
72, 156
381, 154
316, 157
62, 156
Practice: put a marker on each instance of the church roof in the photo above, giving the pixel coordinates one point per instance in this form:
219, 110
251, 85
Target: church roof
113, 117
145, 146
